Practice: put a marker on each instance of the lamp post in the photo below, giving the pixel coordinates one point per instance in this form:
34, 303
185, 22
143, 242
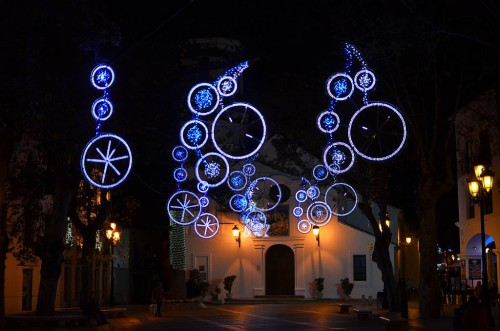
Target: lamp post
237, 235
479, 188
114, 236
316, 233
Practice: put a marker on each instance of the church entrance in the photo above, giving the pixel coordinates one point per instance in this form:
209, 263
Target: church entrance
280, 271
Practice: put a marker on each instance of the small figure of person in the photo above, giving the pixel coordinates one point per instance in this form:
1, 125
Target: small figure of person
477, 289
493, 294
157, 298
476, 315
91, 309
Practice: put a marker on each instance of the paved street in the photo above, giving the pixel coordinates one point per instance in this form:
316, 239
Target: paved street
262, 315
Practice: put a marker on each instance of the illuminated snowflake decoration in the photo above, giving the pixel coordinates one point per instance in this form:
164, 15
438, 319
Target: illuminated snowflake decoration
212, 169
203, 99
206, 226
194, 134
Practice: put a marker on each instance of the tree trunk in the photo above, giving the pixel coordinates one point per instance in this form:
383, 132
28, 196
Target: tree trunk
87, 263
49, 277
382, 257
430, 295
4, 245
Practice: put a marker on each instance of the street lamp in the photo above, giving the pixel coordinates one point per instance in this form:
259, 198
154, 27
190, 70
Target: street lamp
114, 236
479, 188
316, 233
237, 235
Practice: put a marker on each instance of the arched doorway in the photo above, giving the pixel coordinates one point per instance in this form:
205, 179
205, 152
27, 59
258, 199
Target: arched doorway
280, 271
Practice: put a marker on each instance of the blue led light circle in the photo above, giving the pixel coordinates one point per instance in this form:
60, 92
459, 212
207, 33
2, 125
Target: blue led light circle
301, 196
377, 131
255, 221
304, 226
249, 169
320, 172
184, 207
227, 86
179, 153
194, 134
202, 187
180, 174
340, 86
238, 203
106, 160
102, 109
203, 99
318, 213
313, 192
204, 201
298, 211
102, 77
206, 226
212, 168
237, 180
364, 80
341, 198
328, 122
338, 157
238, 131
264, 193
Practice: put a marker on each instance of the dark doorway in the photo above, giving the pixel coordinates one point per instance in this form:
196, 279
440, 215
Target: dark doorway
280, 271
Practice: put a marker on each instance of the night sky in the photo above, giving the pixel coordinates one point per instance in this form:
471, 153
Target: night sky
293, 47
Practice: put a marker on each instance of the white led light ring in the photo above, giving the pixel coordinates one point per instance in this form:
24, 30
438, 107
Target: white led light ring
376, 136
318, 213
180, 174
235, 123
206, 226
194, 90
329, 116
345, 150
238, 203
320, 172
350, 87
339, 202
95, 109
97, 73
362, 75
234, 179
191, 125
225, 81
106, 161
179, 153
258, 193
301, 196
184, 207
255, 221
215, 173
304, 226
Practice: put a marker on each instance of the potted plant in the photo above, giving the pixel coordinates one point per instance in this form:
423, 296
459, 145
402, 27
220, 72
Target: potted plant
215, 293
228, 285
319, 283
346, 287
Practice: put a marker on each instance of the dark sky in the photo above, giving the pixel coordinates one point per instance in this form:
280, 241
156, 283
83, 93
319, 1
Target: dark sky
293, 46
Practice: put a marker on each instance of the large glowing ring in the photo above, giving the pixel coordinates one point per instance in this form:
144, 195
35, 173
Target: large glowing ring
298, 211
202, 135
194, 104
227, 86
262, 233
259, 193
335, 163
206, 226
237, 180
179, 153
339, 79
106, 160
320, 172
215, 173
102, 77
180, 174
202, 187
255, 220
313, 192
184, 207
102, 109
364, 80
249, 169
301, 196
328, 122
238, 203
339, 197
238, 126
318, 213
204, 201
304, 226
375, 133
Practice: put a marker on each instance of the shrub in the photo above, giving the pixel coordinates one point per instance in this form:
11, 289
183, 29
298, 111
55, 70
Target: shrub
319, 282
346, 286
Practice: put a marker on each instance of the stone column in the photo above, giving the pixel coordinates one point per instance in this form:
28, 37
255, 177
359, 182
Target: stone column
260, 266
300, 288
